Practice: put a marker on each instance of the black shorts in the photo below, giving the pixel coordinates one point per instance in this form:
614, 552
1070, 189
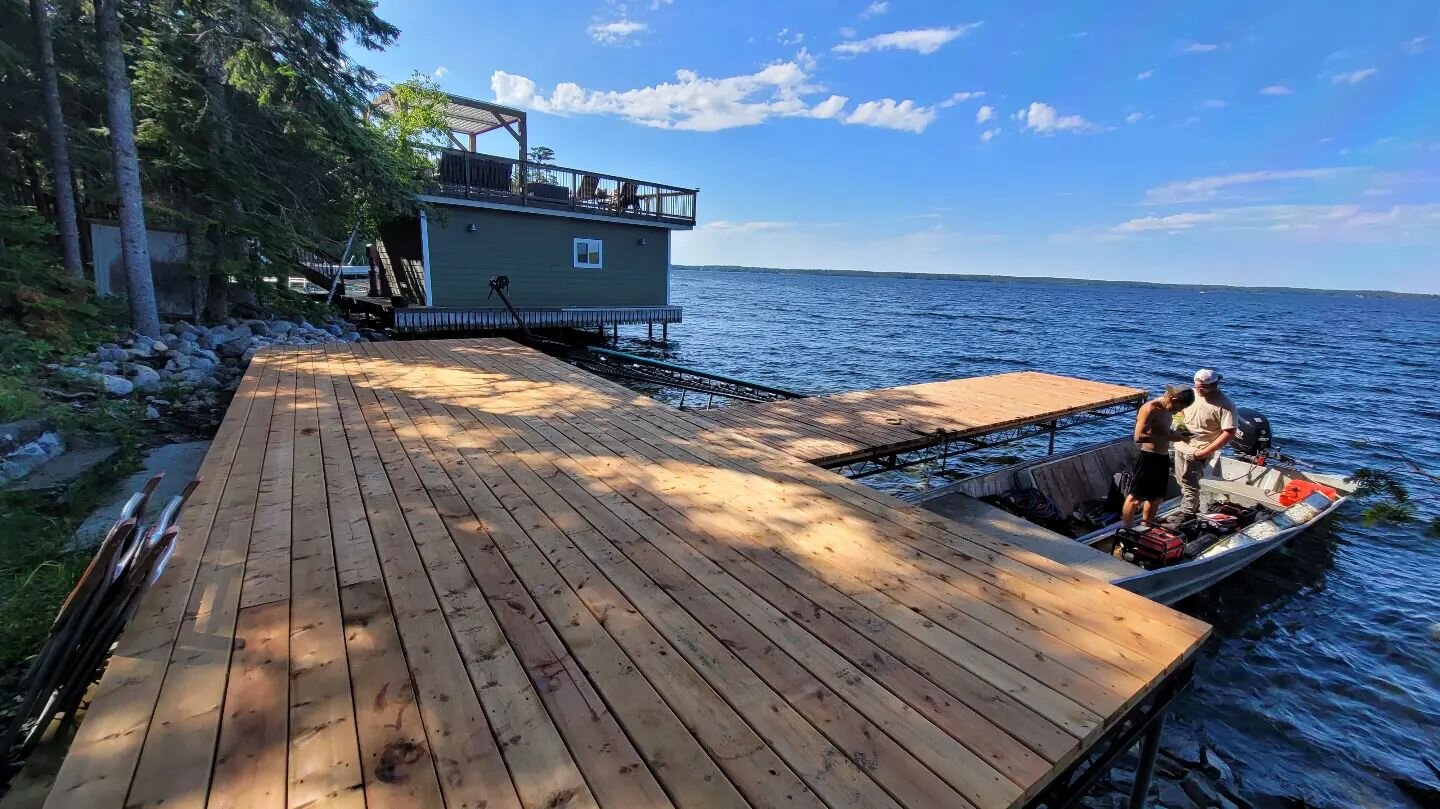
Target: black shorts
1150, 476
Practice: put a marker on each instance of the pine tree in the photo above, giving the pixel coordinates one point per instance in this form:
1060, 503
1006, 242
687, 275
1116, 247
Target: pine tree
140, 286
59, 142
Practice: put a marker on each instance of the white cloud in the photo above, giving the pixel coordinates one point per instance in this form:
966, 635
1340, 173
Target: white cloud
1215, 104
1275, 90
985, 113
1197, 47
1327, 222
847, 32
784, 37
614, 33
1204, 188
1175, 222
829, 108
1416, 46
962, 97
1134, 117
990, 134
920, 40
1144, 74
875, 9
691, 102
1354, 77
747, 227
1044, 119
888, 113
440, 72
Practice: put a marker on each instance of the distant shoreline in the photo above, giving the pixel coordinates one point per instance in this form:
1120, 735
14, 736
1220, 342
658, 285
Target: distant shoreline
1367, 293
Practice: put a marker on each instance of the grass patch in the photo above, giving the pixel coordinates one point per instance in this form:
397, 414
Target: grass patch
37, 569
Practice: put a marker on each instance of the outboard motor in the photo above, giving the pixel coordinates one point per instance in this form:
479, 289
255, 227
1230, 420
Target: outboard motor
1252, 435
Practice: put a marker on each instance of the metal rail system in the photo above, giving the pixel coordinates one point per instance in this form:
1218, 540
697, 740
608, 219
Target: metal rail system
634, 368
1146, 720
945, 444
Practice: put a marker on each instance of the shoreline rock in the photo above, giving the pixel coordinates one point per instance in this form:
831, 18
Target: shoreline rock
192, 369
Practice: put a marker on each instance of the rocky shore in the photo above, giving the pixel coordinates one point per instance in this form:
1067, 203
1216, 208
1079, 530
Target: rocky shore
194, 368
1187, 776
185, 377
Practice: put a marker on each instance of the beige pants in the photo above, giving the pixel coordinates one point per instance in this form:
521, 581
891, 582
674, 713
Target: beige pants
1188, 472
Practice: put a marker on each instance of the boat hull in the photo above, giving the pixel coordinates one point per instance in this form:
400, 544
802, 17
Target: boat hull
1233, 480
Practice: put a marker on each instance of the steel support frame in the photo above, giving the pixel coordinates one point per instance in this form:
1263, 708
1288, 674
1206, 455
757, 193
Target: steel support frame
947, 445
670, 379
1143, 723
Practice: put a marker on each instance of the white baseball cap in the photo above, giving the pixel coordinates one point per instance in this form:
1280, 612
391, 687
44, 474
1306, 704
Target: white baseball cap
1208, 376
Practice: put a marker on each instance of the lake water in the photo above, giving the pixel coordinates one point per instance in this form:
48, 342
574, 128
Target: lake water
1322, 682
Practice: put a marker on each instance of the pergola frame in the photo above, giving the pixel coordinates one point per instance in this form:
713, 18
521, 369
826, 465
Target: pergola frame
468, 118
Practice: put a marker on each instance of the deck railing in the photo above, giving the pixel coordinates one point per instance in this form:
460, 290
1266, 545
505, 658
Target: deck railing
467, 175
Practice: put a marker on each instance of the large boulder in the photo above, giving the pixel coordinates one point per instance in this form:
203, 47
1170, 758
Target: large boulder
115, 385
203, 363
144, 377
191, 378
235, 346
21, 461
112, 354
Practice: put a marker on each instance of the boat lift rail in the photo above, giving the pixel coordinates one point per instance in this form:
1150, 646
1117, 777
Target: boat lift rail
941, 446
634, 368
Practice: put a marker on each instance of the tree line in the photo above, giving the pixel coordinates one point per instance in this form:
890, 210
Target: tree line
243, 124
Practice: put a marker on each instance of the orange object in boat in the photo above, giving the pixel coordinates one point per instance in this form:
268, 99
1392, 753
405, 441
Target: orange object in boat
1297, 490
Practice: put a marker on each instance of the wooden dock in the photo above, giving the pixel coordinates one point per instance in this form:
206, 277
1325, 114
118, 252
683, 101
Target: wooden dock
848, 427
464, 574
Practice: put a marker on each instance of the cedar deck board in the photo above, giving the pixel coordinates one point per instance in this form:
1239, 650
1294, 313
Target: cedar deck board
845, 427
557, 593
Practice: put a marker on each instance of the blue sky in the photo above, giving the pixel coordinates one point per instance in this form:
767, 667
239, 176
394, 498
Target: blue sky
1289, 143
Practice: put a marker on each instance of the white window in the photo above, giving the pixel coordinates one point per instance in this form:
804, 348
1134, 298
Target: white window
588, 254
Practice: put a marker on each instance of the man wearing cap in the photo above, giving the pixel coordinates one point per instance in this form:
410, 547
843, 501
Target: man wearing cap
1210, 421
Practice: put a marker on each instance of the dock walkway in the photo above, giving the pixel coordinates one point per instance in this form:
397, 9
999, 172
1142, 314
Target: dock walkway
461, 573
847, 427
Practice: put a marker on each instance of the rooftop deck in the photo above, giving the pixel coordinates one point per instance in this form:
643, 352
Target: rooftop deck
544, 187
848, 427
462, 573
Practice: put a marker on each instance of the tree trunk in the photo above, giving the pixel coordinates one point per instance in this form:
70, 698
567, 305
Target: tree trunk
59, 142
223, 135
135, 247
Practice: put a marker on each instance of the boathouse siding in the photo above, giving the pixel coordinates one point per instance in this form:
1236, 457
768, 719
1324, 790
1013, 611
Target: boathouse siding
537, 253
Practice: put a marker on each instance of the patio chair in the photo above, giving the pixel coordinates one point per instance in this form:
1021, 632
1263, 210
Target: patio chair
590, 190
628, 198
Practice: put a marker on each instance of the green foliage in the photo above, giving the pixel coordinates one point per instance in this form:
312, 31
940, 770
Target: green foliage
1388, 511
35, 292
1372, 483
1387, 497
18, 398
37, 566
541, 156
291, 304
255, 128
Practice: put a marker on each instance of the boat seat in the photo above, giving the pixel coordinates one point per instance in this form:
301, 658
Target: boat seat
1238, 492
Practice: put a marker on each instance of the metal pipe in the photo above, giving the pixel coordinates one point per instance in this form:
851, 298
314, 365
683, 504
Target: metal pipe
606, 352
1148, 748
